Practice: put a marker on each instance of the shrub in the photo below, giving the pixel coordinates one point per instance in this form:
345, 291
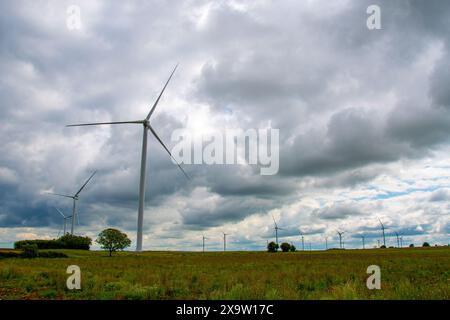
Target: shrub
425, 244
52, 254
9, 254
30, 251
272, 247
75, 242
285, 247
67, 241
41, 244
383, 247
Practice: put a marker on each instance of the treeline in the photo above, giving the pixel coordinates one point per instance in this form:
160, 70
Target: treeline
67, 241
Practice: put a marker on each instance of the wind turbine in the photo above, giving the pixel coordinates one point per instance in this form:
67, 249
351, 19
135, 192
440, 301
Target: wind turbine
276, 229
303, 240
398, 238
75, 198
65, 219
340, 238
326, 243
146, 127
382, 229
401, 242
225, 241
204, 243
363, 241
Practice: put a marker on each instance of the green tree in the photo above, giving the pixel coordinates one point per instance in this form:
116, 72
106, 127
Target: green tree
411, 245
293, 248
285, 247
272, 247
113, 240
425, 244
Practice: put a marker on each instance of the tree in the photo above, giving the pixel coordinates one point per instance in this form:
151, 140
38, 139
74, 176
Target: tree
293, 248
425, 244
272, 247
113, 240
285, 247
411, 245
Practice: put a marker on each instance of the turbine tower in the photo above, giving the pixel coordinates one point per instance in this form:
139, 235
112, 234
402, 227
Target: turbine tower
363, 241
382, 229
326, 243
75, 198
146, 127
276, 229
204, 243
340, 238
65, 220
225, 241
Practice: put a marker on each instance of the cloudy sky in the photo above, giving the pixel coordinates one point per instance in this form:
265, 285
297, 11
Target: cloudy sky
364, 119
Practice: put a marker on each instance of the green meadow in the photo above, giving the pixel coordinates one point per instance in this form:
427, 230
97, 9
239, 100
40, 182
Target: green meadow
409, 273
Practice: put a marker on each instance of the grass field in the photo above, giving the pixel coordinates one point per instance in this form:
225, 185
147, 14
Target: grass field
413, 273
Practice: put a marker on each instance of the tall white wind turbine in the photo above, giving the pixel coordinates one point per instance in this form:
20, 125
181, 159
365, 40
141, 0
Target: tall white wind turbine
74, 198
146, 127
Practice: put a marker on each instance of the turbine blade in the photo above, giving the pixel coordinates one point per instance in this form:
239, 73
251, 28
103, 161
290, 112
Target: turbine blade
84, 185
102, 123
164, 146
274, 221
162, 91
61, 195
61, 213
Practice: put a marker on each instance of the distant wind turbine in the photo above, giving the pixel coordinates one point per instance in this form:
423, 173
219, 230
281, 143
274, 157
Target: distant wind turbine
276, 229
204, 243
340, 238
65, 220
326, 243
303, 240
146, 127
363, 242
382, 229
225, 241
398, 238
75, 198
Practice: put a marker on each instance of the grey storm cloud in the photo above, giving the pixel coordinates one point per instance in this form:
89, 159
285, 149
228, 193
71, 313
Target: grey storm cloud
348, 101
338, 211
440, 195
